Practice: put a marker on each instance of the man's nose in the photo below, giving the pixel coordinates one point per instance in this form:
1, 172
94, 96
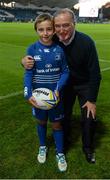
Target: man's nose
61, 29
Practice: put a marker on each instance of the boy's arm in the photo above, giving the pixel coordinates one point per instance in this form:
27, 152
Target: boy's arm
28, 87
28, 63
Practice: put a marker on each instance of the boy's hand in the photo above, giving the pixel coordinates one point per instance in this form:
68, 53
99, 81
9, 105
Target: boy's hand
28, 62
33, 102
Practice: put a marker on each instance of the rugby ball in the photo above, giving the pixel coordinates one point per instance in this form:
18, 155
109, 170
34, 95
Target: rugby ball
45, 98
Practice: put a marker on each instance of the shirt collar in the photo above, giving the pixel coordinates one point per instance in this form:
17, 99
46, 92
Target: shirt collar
70, 40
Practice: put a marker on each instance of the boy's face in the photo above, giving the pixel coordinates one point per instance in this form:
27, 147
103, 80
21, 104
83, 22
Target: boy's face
45, 31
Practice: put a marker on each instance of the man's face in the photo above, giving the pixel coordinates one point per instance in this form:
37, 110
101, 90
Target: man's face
64, 27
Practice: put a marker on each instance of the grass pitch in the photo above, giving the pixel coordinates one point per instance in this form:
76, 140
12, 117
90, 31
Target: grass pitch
18, 140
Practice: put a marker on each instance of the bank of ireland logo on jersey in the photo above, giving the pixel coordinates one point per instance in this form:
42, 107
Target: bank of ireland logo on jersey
37, 58
48, 65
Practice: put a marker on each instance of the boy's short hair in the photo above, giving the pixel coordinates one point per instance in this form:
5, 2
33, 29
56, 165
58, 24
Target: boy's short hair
42, 17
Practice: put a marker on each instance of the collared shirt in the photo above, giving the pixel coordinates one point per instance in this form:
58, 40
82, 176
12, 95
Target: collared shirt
70, 40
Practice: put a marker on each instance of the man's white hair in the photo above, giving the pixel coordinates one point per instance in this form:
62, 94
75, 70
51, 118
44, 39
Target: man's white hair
65, 11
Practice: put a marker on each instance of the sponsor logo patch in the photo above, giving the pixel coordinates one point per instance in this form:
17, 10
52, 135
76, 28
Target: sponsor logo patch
37, 58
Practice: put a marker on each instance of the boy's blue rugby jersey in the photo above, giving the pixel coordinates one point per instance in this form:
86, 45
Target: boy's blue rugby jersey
50, 69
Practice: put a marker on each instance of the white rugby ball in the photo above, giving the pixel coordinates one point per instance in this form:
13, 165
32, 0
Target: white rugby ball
45, 98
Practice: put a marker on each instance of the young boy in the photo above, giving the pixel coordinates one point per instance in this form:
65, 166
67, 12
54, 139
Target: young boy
50, 71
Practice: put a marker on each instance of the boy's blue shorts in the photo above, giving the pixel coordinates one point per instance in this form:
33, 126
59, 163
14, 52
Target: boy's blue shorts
55, 114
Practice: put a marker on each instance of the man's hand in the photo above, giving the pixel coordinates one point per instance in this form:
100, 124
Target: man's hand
91, 108
33, 102
28, 62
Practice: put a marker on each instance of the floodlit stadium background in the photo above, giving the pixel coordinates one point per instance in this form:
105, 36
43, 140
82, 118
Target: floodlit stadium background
18, 140
83, 8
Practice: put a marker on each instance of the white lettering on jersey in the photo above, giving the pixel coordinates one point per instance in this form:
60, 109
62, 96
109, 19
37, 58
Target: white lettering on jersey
47, 70
40, 70
54, 69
